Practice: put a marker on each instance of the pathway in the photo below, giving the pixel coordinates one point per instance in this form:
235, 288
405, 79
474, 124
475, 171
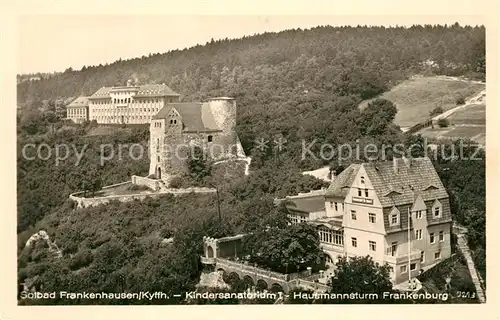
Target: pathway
464, 248
472, 100
247, 161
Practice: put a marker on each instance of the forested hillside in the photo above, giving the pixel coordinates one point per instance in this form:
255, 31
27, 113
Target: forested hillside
301, 84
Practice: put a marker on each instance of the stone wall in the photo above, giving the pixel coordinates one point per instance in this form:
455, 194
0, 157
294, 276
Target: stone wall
91, 202
145, 181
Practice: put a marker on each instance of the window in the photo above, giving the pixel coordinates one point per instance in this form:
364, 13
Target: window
331, 236
437, 255
394, 248
336, 208
441, 236
293, 218
175, 121
354, 242
331, 204
210, 138
413, 266
353, 215
418, 214
422, 257
403, 269
431, 237
366, 193
158, 158
372, 245
437, 212
359, 192
418, 234
362, 180
394, 219
372, 217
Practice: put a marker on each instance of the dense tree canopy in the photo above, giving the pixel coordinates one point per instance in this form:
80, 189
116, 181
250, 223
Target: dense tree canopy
288, 249
360, 275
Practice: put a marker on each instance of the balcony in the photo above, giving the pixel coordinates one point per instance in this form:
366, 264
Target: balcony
205, 260
397, 259
332, 247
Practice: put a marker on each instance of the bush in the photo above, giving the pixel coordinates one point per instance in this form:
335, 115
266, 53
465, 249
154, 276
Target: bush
460, 101
136, 187
443, 123
70, 247
176, 182
436, 111
81, 259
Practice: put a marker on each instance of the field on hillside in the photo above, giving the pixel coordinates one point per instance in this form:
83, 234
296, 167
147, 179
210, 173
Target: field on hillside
471, 115
416, 97
467, 123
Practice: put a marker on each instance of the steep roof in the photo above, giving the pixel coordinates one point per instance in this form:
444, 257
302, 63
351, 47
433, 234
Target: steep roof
196, 116
341, 183
79, 102
401, 186
147, 90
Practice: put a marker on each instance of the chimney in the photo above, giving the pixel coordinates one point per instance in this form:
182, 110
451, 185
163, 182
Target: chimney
332, 174
395, 164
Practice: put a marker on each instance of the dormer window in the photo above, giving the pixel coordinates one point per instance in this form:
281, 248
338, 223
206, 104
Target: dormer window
437, 209
209, 138
394, 217
437, 212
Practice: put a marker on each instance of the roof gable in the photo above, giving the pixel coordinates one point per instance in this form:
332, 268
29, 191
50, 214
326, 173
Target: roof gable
436, 204
419, 204
341, 184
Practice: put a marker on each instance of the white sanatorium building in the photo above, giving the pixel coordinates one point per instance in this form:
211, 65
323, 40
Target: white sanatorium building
367, 211
128, 104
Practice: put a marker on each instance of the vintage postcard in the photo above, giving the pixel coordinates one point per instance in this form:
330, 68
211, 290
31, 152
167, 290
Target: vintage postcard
250, 159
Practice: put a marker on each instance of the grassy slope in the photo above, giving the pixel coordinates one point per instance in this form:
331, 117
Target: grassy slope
415, 98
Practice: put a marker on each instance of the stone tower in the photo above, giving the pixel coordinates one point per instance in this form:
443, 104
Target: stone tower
223, 110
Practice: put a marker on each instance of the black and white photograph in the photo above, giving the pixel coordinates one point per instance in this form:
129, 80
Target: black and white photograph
249, 160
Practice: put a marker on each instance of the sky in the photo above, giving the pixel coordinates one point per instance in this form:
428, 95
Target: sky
49, 43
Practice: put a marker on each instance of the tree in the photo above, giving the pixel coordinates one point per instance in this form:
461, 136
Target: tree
197, 164
284, 250
435, 111
91, 180
377, 117
460, 101
360, 275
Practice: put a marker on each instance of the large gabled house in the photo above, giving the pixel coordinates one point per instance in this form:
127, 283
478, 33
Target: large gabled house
374, 208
